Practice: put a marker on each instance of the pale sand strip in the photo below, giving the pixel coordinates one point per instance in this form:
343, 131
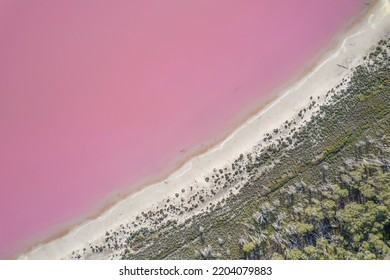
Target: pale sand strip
349, 51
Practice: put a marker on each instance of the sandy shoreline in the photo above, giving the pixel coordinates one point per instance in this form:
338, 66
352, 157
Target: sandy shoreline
348, 51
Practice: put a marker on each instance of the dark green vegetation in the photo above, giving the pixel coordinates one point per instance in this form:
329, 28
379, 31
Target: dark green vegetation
326, 197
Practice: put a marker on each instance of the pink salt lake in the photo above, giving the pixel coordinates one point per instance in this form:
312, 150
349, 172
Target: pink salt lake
96, 95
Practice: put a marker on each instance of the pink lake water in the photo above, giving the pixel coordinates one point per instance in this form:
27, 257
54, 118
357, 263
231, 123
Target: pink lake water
96, 95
